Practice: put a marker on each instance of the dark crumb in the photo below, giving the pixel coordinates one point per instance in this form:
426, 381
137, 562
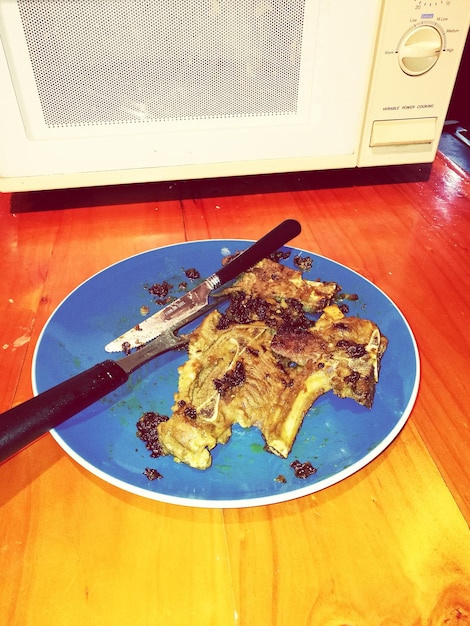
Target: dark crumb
304, 263
347, 296
340, 326
352, 349
147, 432
232, 378
152, 473
344, 308
279, 255
294, 319
160, 289
244, 310
280, 479
163, 301
353, 378
192, 273
190, 412
303, 470
183, 285
229, 258
126, 347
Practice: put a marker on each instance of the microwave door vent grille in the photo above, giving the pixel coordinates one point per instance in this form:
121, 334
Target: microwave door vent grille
131, 62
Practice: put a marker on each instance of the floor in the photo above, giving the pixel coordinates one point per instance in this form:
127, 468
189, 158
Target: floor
455, 144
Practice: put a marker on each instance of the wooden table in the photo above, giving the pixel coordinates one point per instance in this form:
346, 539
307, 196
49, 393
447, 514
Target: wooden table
387, 546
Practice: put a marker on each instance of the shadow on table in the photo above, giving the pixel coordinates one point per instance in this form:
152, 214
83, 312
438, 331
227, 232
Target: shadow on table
29, 201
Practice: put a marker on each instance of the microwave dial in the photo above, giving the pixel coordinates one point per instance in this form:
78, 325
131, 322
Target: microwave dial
419, 49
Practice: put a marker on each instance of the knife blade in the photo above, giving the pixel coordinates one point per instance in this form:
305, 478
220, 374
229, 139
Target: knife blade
198, 297
24, 423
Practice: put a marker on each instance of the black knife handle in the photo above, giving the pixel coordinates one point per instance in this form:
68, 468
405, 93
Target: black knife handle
265, 246
24, 423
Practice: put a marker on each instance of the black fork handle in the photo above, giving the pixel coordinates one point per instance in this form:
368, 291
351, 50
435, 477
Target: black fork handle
279, 236
24, 423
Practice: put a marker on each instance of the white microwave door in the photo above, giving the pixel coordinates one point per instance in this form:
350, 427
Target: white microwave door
103, 85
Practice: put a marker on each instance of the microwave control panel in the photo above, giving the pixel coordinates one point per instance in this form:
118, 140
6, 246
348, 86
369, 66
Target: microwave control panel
418, 52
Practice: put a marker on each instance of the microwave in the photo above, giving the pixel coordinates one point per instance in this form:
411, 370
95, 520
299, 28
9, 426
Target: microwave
104, 92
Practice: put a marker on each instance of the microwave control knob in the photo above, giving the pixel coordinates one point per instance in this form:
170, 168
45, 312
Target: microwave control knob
419, 49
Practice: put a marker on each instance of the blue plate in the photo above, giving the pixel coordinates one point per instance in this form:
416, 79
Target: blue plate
338, 437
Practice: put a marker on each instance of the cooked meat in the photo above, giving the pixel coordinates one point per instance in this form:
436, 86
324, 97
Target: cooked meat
251, 375
349, 349
272, 281
263, 363
271, 396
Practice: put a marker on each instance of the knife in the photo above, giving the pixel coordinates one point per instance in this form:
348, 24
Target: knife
198, 297
25, 422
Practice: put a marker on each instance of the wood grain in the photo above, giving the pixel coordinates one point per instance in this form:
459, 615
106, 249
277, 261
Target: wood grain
387, 546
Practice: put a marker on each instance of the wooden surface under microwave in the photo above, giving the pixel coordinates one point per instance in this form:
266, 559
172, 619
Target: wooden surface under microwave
386, 546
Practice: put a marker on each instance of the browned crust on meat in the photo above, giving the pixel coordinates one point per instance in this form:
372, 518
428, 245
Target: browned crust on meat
268, 371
